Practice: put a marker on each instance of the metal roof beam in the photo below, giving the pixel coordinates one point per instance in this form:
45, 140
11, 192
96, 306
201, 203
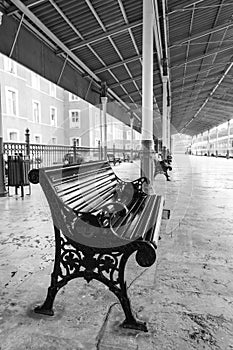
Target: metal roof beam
214, 52
187, 50
113, 45
199, 72
199, 35
213, 58
106, 35
210, 95
127, 81
61, 13
202, 7
127, 22
30, 3
80, 36
181, 7
118, 64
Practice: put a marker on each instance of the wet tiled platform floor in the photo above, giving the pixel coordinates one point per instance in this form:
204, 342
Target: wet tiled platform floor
187, 298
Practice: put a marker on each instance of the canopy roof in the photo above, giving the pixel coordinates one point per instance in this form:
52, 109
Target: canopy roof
80, 44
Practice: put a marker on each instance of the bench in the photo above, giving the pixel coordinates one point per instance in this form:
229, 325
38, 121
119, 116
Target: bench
126, 157
162, 167
113, 159
99, 222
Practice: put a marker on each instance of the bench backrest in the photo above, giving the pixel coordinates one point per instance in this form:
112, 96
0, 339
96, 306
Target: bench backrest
84, 187
92, 206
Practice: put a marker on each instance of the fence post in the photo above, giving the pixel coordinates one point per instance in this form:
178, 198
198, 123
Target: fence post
3, 191
27, 141
75, 154
99, 148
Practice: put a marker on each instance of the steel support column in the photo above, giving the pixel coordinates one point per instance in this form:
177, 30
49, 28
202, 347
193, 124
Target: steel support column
131, 137
165, 116
169, 130
104, 101
216, 148
147, 91
208, 143
228, 139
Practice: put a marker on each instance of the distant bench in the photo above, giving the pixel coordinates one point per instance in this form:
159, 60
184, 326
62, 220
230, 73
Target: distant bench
163, 166
113, 159
99, 222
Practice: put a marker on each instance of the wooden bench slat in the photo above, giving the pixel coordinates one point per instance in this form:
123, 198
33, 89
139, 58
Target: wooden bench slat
78, 192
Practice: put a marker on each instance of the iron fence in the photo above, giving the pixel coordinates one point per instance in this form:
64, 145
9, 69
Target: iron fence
49, 155
40, 155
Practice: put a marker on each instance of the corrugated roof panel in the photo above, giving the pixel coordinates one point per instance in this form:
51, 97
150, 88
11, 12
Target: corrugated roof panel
106, 51
178, 55
119, 91
107, 77
137, 33
135, 68
86, 55
124, 44
133, 9
109, 12
130, 87
226, 13
121, 73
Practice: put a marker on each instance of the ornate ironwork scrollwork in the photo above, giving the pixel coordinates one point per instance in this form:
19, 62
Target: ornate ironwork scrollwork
33, 176
106, 265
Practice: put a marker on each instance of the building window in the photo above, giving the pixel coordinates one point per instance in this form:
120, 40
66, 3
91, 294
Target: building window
36, 111
13, 135
11, 101
35, 80
9, 65
74, 118
37, 138
53, 116
52, 89
53, 140
78, 141
73, 97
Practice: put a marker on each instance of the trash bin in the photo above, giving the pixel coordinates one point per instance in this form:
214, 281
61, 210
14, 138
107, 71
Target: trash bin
18, 168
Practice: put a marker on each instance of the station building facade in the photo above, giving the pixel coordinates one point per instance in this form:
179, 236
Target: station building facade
52, 115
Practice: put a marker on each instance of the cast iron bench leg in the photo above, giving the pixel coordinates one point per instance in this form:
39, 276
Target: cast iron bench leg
47, 307
110, 265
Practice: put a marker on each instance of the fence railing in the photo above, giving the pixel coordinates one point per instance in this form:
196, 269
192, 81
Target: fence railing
49, 155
